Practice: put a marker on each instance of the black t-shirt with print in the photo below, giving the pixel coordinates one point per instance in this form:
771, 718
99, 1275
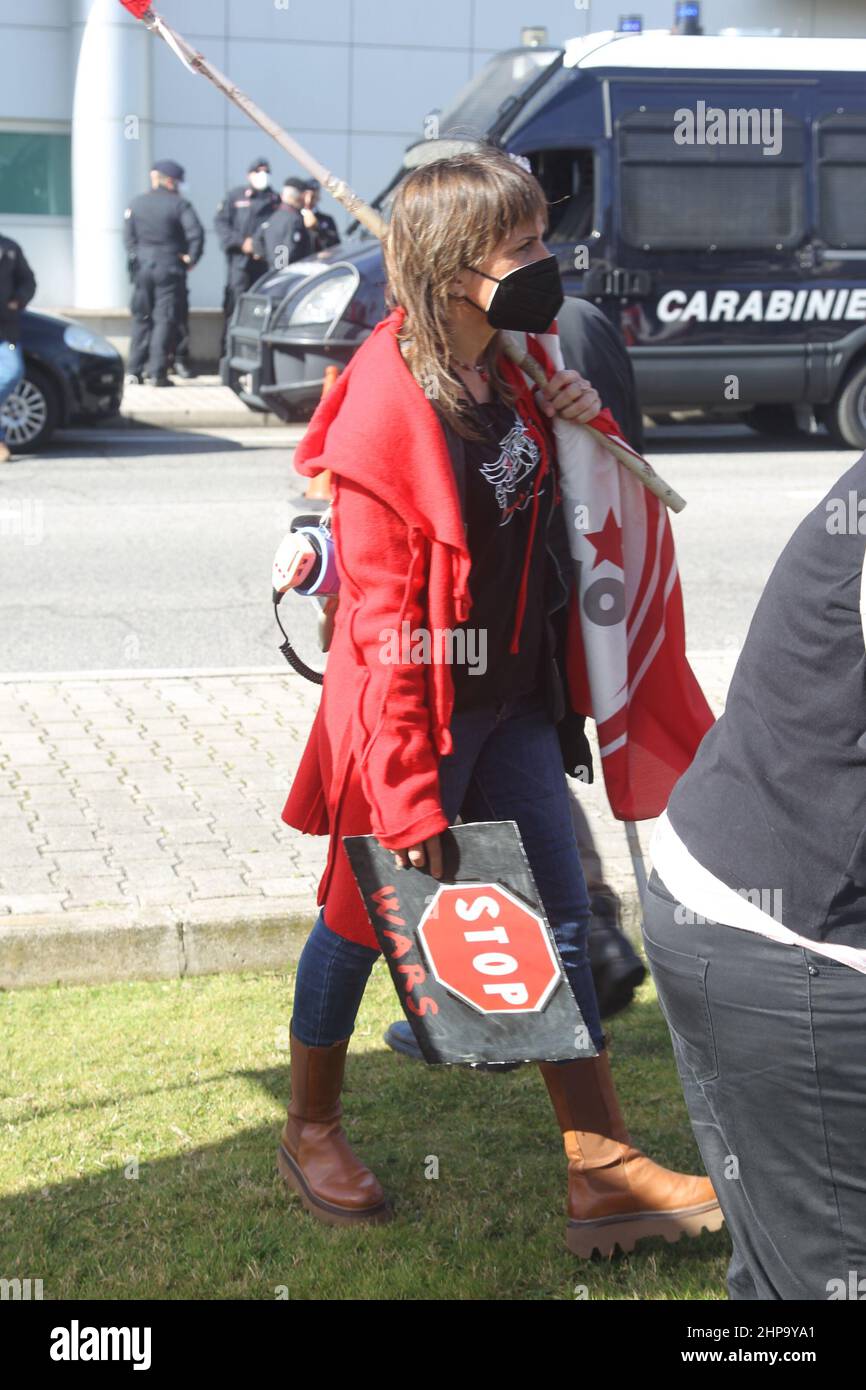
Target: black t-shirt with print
499, 480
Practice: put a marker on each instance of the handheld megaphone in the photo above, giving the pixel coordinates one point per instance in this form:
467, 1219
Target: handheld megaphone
305, 563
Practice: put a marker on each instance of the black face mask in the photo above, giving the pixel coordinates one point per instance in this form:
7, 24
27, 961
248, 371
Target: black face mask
527, 299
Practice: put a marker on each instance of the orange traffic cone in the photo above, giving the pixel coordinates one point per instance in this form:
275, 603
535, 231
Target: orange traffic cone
319, 488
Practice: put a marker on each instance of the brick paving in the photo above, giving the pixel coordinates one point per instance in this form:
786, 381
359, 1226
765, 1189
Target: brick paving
154, 800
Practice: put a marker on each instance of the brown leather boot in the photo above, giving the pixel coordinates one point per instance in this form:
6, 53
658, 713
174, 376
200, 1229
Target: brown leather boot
616, 1195
314, 1155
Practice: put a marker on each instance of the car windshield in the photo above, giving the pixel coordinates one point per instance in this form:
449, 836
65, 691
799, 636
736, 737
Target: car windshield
491, 91
423, 153
474, 111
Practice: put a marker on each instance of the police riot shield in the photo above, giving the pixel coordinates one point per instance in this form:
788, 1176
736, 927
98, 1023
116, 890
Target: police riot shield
472, 956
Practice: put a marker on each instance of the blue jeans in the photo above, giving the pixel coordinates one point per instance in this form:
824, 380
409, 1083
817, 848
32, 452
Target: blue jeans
11, 373
506, 764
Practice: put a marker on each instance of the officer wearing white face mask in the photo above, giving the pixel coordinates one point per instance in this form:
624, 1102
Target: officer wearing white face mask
239, 216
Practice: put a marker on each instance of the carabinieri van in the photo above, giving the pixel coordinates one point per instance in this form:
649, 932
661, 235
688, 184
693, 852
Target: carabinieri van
708, 192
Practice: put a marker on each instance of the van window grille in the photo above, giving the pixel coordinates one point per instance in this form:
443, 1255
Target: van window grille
843, 204
844, 144
730, 195
842, 180
732, 207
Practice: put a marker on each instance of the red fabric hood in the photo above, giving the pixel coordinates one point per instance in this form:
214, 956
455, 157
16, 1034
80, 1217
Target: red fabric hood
389, 439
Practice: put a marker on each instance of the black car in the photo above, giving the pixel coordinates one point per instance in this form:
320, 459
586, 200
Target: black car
723, 234
71, 376
294, 323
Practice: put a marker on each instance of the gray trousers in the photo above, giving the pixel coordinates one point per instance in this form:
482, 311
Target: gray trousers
768, 1042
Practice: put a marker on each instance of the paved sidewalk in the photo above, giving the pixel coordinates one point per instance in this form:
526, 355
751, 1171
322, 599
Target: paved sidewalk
202, 403
140, 823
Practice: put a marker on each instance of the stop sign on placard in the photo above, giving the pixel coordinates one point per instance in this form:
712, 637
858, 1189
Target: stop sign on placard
489, 948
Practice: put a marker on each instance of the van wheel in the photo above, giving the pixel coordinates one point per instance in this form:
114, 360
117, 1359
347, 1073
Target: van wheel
846, 417
778, 421
32, 412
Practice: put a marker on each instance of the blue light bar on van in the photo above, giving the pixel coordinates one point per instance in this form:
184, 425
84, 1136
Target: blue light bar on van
687, 17
630, 24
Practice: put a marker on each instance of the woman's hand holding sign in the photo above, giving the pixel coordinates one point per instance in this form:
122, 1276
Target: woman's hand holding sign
427, 855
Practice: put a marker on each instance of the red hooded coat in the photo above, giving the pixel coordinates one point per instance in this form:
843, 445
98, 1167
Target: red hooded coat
371, 761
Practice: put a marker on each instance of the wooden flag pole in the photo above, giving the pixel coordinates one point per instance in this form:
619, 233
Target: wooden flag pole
637, 859
632, 462
197, 63
367, 216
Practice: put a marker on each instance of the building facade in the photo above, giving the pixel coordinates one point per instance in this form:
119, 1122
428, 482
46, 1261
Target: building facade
89, 99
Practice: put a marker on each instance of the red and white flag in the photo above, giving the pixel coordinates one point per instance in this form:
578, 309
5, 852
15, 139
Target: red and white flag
627, 666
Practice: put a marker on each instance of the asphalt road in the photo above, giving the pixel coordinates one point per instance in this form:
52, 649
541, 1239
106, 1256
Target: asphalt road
152, 550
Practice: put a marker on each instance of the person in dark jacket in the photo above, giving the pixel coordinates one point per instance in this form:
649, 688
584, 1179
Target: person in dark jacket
17, 288
239, 216
755, 923
182, 363
164, 239
321, 224
284, 238
589, 339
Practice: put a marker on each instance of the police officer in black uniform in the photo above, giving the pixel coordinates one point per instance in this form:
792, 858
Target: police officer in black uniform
284, 237
164, 239
239, 216
17, 288
323, 226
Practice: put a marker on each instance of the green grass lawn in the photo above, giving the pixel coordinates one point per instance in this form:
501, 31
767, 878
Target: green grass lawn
140, 1122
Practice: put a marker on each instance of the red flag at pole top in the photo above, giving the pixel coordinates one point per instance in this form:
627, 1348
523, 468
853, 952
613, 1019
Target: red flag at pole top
139, 8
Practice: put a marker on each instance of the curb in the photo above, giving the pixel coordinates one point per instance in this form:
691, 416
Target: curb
105, 947
156, 673
216, 419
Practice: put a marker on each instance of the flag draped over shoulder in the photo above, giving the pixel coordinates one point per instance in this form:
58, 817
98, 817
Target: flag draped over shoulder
627, 666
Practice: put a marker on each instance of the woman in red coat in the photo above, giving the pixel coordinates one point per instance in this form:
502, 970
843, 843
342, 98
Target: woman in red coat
446, 516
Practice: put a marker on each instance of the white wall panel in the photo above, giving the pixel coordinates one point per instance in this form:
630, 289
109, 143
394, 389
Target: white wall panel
35, 74
42, 12
440, 24
288, 20
393, 90
375, 158
304, 88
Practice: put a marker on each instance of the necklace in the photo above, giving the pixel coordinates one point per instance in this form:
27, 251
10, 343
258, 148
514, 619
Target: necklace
469, 367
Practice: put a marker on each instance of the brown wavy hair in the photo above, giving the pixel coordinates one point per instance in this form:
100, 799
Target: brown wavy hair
447, 216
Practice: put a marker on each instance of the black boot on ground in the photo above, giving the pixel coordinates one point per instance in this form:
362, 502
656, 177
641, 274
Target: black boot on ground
617, 969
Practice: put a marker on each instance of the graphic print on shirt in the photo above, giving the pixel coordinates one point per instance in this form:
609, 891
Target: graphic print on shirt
510, 473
